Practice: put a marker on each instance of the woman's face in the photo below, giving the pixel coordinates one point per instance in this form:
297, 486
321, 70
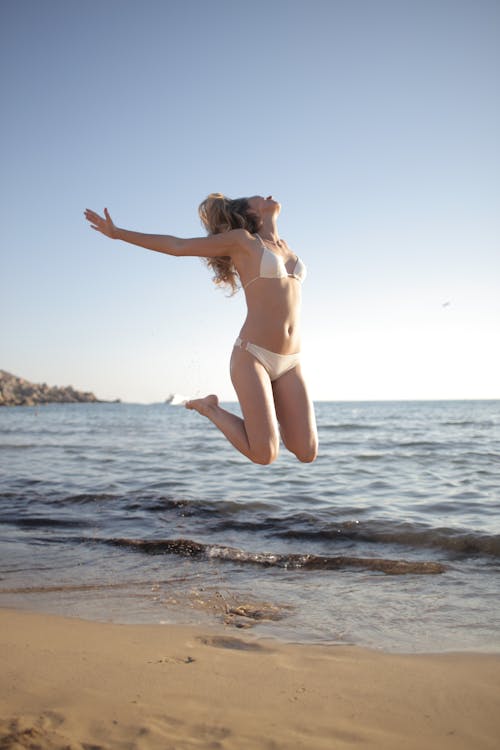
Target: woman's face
262, 206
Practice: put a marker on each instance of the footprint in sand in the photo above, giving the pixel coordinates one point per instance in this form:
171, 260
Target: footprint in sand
222, 641
173, 660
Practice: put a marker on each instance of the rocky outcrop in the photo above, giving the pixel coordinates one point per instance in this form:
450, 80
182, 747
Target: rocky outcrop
16, 391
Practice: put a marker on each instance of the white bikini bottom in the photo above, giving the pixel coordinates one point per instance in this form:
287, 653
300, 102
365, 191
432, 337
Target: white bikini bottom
275, 364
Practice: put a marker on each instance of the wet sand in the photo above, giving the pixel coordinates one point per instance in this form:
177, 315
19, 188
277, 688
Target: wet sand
72, 684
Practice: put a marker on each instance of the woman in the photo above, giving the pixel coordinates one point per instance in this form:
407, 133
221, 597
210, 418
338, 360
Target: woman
243, 243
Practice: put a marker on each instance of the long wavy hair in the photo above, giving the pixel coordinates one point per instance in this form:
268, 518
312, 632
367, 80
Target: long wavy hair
219, 213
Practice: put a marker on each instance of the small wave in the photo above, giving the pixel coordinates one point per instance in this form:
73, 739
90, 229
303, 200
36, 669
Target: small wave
458, 541
469, 423
348, 426
39, 522
451, 540
289, 561
19, 446
225, 516
65, 588
429, 444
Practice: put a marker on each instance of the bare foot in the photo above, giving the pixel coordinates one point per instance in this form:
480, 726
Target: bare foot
203, 405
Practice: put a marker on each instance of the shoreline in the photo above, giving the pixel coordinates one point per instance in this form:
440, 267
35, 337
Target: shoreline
255, 619
73, 683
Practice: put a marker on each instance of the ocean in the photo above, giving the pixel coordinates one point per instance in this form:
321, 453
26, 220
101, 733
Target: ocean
144, 514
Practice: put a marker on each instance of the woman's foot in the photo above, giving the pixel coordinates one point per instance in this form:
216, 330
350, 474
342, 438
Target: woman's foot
203, 405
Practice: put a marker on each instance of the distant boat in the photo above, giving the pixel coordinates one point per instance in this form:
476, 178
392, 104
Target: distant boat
175, 399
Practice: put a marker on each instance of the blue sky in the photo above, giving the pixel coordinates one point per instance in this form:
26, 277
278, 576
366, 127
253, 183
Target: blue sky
375, 123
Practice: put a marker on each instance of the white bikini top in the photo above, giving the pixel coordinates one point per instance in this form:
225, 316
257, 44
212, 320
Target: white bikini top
272, 266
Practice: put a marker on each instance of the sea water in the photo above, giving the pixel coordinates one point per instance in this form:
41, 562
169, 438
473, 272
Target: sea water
145, 514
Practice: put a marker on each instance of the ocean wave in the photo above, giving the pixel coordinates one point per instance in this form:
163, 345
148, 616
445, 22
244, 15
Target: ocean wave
461, 541
349, 426
41, 522
469, 423
289, 561
321, 525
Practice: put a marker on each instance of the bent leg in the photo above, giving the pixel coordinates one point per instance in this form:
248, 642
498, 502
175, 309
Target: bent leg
295, 414
256, 435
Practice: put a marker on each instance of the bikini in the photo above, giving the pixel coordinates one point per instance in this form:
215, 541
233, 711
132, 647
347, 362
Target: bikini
272, 266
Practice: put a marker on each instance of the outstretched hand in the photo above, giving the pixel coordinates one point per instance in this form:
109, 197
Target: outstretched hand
104, 225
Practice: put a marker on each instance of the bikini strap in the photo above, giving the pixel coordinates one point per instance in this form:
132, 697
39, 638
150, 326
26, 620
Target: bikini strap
245, 286
262, 242
256, 277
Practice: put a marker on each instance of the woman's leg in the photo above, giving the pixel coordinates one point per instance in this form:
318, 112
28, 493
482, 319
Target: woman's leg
295, 414
256, 435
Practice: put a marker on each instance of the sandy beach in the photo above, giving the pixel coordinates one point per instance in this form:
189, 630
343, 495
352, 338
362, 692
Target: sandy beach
69, 683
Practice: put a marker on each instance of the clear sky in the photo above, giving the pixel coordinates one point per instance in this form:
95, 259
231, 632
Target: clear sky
374, 122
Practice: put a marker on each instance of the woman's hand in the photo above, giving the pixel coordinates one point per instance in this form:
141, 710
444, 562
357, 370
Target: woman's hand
104, 225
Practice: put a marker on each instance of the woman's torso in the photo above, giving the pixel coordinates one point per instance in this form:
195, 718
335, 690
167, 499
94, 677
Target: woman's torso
272, 283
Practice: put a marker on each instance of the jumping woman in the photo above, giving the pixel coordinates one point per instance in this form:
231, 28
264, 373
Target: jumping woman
243, 244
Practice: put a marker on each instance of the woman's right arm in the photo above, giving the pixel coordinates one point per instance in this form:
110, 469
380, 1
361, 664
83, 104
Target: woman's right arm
214, 245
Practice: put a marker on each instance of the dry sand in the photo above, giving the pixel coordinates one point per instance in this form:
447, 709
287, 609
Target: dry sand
67, 683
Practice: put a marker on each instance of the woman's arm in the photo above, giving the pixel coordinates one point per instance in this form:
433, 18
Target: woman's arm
225, 243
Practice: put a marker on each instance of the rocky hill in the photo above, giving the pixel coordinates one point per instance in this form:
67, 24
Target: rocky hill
16, 391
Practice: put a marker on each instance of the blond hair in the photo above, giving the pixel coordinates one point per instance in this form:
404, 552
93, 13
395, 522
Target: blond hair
219, 213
